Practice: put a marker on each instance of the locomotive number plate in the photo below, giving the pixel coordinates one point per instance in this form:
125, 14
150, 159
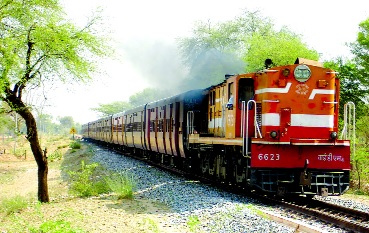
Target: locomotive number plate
269, 157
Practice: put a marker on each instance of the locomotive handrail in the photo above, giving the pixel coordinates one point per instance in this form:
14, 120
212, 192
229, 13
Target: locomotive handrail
270, 71
330, 102
271, 101
245, 121
349, 126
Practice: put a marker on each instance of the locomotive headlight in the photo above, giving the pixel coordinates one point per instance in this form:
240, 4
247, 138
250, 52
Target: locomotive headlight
273, 134
302, 73
286, 72
333, 135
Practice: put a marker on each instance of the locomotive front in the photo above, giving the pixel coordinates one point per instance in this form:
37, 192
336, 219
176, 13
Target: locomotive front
296, 147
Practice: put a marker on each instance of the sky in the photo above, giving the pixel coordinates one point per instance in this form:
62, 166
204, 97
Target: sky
144, 34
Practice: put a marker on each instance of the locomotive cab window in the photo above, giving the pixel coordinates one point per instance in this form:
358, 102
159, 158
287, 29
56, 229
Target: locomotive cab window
230, 97
245, 90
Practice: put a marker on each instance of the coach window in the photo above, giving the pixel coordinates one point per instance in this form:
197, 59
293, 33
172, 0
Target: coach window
245, 90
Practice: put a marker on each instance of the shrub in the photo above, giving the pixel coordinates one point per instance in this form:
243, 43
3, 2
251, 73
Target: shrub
84, 183
121, 184
56, 155
62, 146
75, 145
13, 204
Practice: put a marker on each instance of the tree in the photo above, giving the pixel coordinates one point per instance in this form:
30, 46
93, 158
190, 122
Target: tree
283, 47
237, 46
353, 87
37, 45
66, 121
360, 48
6, 122
111, 108
147, 95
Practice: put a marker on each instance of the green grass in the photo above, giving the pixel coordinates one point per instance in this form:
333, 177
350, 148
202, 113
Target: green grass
151, 225
13, 205
75, 145
121, 184
84, 182
193, 223
55, 156
56, 226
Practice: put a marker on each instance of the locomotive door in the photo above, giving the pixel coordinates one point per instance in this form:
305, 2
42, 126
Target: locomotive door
231, 112
246, 93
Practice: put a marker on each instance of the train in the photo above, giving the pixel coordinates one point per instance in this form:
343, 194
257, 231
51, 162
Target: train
273, 131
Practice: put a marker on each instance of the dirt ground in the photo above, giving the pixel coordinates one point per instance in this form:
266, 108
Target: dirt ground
96, 214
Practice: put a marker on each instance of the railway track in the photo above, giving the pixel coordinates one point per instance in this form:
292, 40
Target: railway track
345, 218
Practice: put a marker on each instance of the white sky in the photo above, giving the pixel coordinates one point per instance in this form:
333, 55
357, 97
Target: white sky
324, 25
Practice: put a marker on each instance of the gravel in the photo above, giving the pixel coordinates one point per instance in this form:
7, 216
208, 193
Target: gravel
198, 206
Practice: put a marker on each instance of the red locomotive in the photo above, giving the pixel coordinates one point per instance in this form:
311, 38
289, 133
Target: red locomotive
275, 130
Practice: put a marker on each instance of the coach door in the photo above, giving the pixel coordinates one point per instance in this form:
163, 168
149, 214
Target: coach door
170, 130
161, 130
149, 128
176, 126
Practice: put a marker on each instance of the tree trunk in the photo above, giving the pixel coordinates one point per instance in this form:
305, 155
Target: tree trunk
40, 157
32, 137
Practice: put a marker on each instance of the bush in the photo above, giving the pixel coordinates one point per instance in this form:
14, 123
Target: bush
75, 145
84, 183
56, 155
13, 204
121, 184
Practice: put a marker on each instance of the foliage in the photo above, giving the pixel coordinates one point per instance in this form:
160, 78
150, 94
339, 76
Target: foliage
112, 108
84, 183
75, 145
6, 122
360, 48
236, 46
147, 95
66, 122
121, 184
13, 204
57, 226
193, 222
283, 47
360, 168
362, 132
55, 156
39, 45
353, 87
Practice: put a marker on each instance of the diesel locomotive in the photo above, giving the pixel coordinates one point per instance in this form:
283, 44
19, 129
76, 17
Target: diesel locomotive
275, 130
